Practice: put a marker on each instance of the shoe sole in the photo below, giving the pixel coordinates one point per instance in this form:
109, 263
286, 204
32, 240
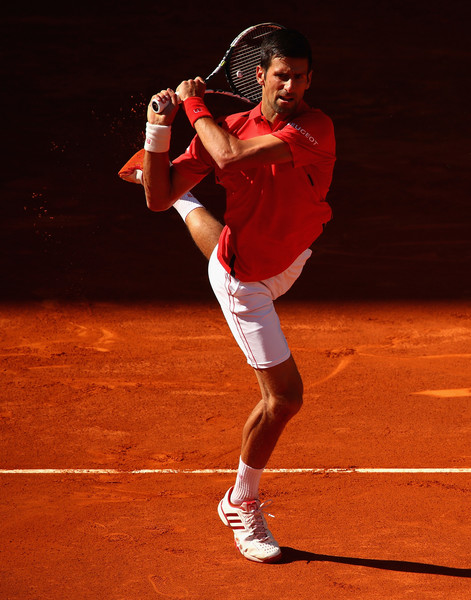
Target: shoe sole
271, 559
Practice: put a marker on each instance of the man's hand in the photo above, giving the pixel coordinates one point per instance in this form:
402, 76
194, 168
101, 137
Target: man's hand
191, 87
167, 116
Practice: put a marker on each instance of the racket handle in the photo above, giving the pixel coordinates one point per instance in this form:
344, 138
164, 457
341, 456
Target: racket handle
158, 107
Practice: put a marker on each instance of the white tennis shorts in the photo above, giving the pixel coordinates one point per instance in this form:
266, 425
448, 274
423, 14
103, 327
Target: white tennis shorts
250, 312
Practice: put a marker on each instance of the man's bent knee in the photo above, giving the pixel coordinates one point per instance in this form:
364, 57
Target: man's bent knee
282, 390
284, 407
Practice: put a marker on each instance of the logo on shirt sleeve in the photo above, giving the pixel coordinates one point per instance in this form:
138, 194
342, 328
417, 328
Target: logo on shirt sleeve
305, 133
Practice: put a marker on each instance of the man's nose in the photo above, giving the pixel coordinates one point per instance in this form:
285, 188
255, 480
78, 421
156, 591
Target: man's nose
289, 85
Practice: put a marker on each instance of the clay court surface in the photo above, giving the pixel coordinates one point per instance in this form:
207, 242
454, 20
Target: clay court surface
122, 393
131, 388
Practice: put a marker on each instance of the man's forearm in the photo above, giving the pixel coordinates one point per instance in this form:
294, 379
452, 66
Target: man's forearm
221, 145
230, 152
157, 181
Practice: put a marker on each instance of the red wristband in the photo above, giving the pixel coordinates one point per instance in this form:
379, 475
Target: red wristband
195, 108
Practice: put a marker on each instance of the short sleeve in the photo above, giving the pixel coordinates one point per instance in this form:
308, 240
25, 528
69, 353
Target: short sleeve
310, 137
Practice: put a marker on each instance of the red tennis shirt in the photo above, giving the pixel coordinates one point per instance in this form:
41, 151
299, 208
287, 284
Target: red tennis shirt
274, 211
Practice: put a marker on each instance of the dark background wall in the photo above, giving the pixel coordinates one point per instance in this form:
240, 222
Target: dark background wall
393, 75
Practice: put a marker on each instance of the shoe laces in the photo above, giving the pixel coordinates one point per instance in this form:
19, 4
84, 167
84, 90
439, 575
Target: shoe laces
256, 516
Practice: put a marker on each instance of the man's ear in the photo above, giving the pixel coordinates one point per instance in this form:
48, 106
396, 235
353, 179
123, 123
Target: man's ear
260, 74
309, 79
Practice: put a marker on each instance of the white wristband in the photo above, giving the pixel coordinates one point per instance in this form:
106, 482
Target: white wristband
157, 138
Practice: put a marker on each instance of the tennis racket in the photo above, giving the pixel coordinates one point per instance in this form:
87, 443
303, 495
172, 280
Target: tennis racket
239, 64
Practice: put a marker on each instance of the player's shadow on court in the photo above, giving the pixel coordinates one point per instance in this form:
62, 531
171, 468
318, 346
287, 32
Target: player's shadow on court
291, 555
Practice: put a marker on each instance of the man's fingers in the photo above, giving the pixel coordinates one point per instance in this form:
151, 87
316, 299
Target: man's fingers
162, 107
164, 97
191, 87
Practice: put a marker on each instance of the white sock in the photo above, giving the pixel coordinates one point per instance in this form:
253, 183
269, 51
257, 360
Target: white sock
186, 204
247, 484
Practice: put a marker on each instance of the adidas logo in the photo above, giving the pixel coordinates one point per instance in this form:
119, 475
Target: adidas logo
234, 521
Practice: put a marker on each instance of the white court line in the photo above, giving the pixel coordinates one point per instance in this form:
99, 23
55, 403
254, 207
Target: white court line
222, 471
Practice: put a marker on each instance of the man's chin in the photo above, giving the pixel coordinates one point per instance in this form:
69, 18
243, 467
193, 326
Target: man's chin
285, 107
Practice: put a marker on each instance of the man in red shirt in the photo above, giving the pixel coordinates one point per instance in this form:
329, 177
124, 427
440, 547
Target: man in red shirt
276, 163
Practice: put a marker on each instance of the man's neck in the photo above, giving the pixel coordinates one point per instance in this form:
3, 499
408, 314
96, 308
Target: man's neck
275, 118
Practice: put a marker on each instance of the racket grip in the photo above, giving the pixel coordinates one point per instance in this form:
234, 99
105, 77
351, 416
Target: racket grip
158, 107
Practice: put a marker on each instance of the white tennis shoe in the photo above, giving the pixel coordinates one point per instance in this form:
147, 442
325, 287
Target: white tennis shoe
251, 534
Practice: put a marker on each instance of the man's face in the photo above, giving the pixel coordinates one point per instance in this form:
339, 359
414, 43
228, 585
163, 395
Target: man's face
284, 84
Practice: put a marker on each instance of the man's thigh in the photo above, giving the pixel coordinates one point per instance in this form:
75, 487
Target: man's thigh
251, 316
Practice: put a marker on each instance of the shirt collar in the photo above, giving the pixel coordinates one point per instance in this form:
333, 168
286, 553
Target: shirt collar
256, 114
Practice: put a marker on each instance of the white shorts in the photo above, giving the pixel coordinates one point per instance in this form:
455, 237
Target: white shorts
250, 313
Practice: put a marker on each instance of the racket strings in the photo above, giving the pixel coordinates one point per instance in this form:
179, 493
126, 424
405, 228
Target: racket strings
242, 68
243, 62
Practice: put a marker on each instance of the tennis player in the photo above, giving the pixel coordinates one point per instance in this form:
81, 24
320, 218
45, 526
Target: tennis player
275, 163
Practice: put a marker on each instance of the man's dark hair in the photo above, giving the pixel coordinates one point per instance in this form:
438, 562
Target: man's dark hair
284, 43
